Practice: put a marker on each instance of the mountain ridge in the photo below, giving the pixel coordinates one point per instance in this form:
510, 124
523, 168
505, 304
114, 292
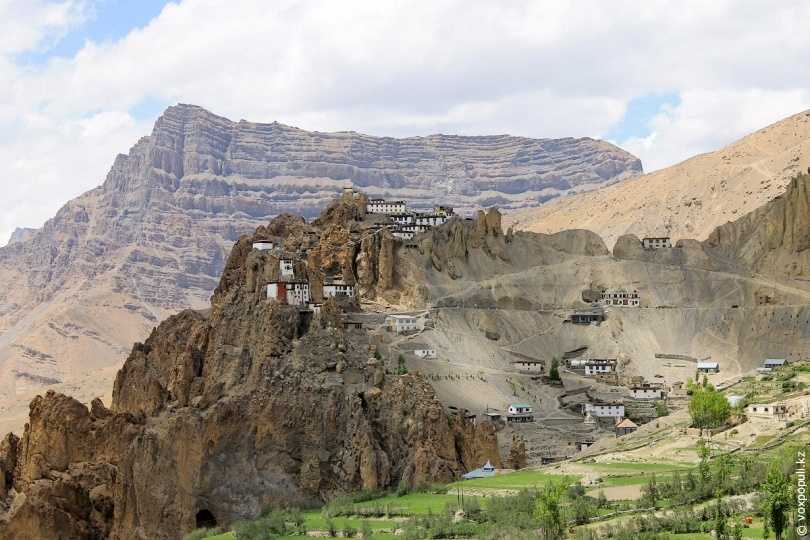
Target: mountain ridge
154, 236
689, 199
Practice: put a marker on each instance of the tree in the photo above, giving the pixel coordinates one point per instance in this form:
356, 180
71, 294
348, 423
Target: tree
554, 372
708, 408
776, 498
549, 510
720, 527
650, 492
661, 408
402, 369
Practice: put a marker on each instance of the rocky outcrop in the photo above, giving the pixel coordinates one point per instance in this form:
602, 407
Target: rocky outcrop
773, 239
153, 239
21, 234
249, 404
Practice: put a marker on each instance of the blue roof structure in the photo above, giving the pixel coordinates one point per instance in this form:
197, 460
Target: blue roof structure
484, 472
774, 362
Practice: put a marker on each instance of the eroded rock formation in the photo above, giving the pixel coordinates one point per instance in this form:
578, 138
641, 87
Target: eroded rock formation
248, 404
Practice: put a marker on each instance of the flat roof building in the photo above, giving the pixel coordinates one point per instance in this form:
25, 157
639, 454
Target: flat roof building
295, 293
708, 367
401, 323
656, 242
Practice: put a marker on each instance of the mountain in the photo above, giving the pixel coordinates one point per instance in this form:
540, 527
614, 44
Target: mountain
154, 237
688, 200
247, 404
21, 234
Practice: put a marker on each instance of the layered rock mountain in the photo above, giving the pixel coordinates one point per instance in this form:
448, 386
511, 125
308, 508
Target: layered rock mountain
690, 199
154, 237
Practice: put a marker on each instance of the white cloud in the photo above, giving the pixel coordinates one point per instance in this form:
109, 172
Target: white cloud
534, 68
709, 119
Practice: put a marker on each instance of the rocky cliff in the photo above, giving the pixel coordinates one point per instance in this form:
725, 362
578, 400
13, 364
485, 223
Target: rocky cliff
232, 409
154, 237
773, 239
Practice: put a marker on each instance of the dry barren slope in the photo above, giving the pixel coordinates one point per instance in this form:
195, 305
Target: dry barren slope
690, 199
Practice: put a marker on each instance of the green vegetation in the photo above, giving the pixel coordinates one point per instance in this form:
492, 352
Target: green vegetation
554, 372
776, 500
402, 368
517, 480
708, 408
540, 504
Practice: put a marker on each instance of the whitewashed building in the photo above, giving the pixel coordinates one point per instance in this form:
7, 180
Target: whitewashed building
596, 366
646, 391
656, 242
264, 245
430, 220
333, 287
605, 409
529, 366
287, 267
620, 297
295, 293
381, 206
708, 367
401, 323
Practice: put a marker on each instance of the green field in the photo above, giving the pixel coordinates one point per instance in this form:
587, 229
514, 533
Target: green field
517, 480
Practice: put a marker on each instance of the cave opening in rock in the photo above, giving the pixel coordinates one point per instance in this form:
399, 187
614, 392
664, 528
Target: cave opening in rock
205, 519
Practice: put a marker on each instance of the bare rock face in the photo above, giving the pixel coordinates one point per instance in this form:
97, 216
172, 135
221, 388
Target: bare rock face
251, 404
154, 238
773, 239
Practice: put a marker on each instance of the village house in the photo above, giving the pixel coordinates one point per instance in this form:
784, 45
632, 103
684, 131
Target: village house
402, 219
620, 297
625, 427
594, 366
443, 210
585, 443
264, 245
420, 350
708, 367
656, 242
770, 364
295, 293
529, 366
381, 206
595, 315
520, 412
646, 391
287, 267
605, 409
767, 410
401, 323
430, 220
337, 286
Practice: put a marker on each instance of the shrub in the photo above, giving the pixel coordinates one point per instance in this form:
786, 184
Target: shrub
200, 534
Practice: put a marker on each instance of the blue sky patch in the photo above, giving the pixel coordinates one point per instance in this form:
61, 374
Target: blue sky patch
110, 20
640, 112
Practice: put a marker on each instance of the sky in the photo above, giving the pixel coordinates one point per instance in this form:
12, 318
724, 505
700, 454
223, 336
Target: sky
82, 80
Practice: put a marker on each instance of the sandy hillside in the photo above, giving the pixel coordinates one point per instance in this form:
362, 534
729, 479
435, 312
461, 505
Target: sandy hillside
690, 199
